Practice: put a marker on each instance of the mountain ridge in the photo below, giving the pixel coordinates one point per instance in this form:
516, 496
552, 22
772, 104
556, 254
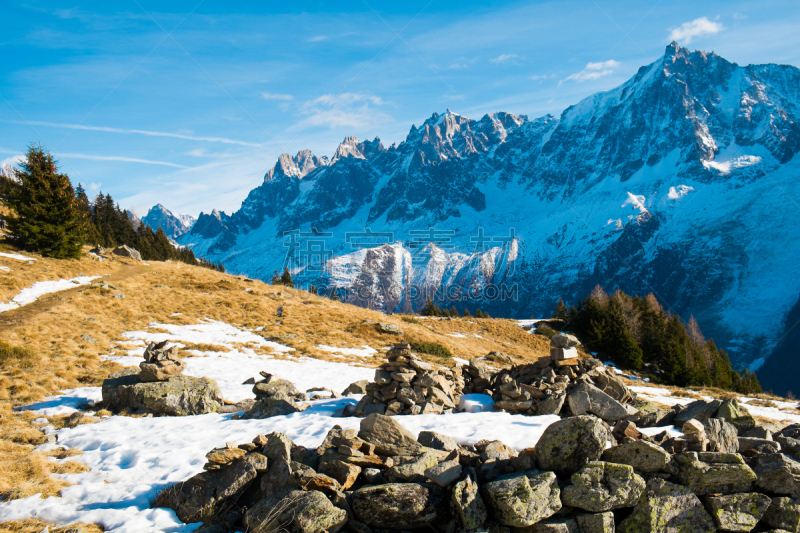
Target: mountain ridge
659, 185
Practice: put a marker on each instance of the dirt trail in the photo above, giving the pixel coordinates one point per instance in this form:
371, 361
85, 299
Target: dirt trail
47, 302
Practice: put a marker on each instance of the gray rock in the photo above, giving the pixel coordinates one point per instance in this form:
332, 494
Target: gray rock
737, 512
759, 432
699, 410
586, 398
88, 338
552, 404
391, 329
721, 436
357, 387
714, 473
777, 473
667, 508
437, 441
571, 443
601, 486
297, 512
344, 473
373, 476
499, 357
276, 388
413, 470
611, 384
269, 407
643, 456
388, 436
564, 340
524, 498
783, 513
445, 473
127, 251
556, 525
466, 502
762, 445
398, 505
595, 522
729, 410
207, 493
178, 396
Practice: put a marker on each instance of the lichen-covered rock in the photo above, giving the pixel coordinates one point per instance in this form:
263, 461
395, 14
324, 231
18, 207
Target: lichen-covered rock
466, 502
643, 456
178, 396
207, 493
784, 513
444, 473
412, 470
524, 498
269, 407
699, 410
667, 508
276, 388
601, 486
729, 410
595, 522
388, 436
586, 398
737, 512
398, 505
571, 443
297, 512
714, 473
356, 387
777, 474
722, 436
555, 525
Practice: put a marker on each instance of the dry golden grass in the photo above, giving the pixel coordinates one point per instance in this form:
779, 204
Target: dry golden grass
36, 526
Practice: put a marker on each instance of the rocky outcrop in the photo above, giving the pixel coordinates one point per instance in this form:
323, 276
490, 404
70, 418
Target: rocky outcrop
177, 396
127, 251
667, 508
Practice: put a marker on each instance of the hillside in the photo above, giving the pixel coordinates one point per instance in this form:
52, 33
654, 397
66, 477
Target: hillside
664, 184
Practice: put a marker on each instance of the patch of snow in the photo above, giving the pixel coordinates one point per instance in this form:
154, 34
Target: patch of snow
637, 202
725, 167
40, 288
5, 268
457, 335
364, 351
205, 332
17, 257
676, 193
67, 403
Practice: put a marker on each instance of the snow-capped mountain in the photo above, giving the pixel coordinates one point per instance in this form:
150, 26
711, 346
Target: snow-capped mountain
173, 225
681, 182
7, 171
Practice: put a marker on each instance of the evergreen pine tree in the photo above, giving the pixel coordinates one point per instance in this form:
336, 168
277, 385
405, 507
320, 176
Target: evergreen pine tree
312, 290
478, 313
561, 311
47, 216
466, 314
286, 278
618, 341
454, 312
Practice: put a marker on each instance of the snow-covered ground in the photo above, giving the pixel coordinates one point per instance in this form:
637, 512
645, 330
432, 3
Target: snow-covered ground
18, 257
132, 458
39, 289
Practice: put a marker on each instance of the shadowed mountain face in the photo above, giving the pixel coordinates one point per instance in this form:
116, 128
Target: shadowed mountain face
681, 182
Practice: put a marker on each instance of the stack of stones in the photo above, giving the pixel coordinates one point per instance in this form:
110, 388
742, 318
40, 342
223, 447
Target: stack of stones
694, 434
274, 397
407, 385
160, 363
581, 477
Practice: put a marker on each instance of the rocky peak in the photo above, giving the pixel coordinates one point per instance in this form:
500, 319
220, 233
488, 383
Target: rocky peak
349, 147
298, 166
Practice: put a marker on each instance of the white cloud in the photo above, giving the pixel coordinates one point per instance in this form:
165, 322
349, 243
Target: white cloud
276, 96
318, 38
138, 132
119, 158
503, 58
696, 28
594, 71
12, 161
353, 110
539, 77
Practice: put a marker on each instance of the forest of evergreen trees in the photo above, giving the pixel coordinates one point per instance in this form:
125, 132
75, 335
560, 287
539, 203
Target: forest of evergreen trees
54, 219
636, 333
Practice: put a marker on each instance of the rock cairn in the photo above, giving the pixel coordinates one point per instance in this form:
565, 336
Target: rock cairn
581, 477
160, 363
274, 397
407, 385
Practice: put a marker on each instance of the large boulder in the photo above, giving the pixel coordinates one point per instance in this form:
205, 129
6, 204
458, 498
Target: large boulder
207, 493
667, 508
643, 456
399, 505
298, 512
721, 435
699, 410
571, 443
437, 441
729, 410
586, 398
269, 407
777, 473
783, 513
524, 498
601, 486
714, 473
564, 340
127, 251
178, 396
611, 384
737, 512
466, 502
388, 436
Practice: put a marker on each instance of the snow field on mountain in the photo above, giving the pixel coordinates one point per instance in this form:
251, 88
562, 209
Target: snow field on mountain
40, 288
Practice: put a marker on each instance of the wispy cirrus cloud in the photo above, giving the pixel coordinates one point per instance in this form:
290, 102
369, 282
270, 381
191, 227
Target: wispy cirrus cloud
540, 77
318, 38
503, 58
277, 96
354, 110
133, 131
93, 157
696, 28
594, 71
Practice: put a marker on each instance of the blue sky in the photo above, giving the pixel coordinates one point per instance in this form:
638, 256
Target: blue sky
190, 103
